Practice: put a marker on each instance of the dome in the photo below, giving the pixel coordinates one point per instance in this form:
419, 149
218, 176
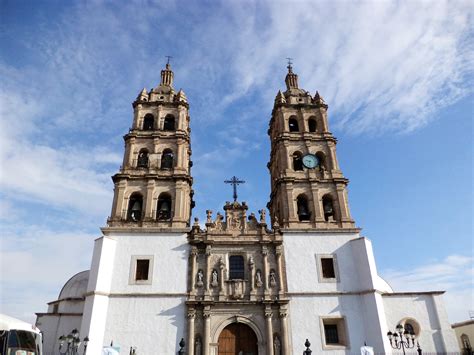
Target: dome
76, 286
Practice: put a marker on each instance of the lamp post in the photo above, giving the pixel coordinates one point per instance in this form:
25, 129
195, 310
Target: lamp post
182, 343
69, 345
308, 350
397, 342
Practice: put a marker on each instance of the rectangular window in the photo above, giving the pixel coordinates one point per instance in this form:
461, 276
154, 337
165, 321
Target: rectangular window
142, 269
327, 268
334, 333
327, 265
330, 332
236, 267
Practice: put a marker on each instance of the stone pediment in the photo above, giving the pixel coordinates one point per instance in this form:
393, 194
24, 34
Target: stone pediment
234, 224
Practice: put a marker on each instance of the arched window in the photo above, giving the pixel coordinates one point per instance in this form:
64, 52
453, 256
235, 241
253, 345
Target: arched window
169, 124
148, 122
293, 124
302, 207
328, 208
409, 328
163, 212
135, 208
142, 161
312, 126
322, 161
236, 267
297, 161
167, 159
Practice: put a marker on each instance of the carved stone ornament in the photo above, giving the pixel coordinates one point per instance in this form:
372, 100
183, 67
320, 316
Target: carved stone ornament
272, 278
208, 216
258, 279
191, 313
263, 213
214, 278
237, 290
200, 278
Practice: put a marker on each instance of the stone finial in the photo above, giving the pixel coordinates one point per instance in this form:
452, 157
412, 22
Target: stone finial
208, 216
280, 98
181, 96
143, 95
263, 214
318, 99
196, 222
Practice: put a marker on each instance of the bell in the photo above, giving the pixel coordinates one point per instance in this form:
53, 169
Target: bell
165, 206
136, 206
328, 208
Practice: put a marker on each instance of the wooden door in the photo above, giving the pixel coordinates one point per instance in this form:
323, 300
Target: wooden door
238, 339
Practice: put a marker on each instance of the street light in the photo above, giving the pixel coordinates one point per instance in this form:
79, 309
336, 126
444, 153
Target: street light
397, 342
308, 350
182, 343
69, 345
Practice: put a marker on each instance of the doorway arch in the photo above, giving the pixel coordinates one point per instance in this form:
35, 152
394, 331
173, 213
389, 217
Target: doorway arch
237, 339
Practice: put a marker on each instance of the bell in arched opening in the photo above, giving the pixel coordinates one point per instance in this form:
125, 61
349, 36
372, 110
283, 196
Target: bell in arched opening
303, 211
164, 207
328, 208
135, 208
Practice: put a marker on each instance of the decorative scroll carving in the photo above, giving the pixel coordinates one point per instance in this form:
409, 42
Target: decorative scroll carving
191, 313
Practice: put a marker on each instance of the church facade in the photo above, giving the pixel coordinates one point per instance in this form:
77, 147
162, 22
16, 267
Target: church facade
240, 282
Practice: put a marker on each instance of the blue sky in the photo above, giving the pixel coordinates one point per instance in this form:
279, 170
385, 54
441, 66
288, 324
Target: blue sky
398, 78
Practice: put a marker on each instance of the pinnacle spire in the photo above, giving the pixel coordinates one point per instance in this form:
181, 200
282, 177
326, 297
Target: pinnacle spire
291, 78
167, 74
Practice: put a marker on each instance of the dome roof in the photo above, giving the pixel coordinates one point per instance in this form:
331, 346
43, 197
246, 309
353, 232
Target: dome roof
76, 286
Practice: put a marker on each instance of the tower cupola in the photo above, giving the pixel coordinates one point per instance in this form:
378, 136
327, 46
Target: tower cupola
291, 79
167, 76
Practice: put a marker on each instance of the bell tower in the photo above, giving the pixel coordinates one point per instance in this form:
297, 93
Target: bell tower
308, 189
153, 187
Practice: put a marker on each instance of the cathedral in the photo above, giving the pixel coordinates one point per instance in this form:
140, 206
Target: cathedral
240, 282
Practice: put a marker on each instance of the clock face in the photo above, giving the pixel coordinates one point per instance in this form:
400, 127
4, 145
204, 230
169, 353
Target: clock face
310, 161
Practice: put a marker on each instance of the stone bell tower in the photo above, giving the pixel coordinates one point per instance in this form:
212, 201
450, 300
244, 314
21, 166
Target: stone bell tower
308, 189
153, 186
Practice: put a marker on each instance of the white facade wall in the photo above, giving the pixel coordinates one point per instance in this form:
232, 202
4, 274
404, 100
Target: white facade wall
428, 311
55, 325
129, 314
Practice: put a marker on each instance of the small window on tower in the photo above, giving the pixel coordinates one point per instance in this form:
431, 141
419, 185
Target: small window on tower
335, 335
312, 124
293, 124
148, 122
141, 270
169, 124
167, 159
322, 161
236, 267
327, 266
297, 161
143, 266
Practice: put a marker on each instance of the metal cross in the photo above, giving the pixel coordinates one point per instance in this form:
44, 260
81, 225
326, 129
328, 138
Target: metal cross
289, 61
169, 57
234, 181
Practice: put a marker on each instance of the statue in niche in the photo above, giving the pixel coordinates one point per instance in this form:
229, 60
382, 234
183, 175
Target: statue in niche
258, 278
218, 222
198, 346
276, 346
214, 278
272, 278
208, 216
235, 223
200, 278
263, 215
276, 224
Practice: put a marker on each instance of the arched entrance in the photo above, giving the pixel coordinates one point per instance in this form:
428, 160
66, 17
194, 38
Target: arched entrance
237, 339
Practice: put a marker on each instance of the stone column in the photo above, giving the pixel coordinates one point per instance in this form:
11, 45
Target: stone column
207, 273
252, 276
207, 330
268, 321
150, 205
193, 254
284, 332
265, 270
342, 203
279, 252
332, 152
222, 290
190, 342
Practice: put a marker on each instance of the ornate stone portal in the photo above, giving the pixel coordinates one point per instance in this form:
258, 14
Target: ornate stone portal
241, 266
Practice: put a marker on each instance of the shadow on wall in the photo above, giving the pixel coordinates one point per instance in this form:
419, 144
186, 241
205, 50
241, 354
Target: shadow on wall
175, 316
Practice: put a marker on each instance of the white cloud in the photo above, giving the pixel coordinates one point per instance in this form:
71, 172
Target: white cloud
454, 274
